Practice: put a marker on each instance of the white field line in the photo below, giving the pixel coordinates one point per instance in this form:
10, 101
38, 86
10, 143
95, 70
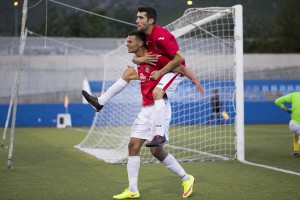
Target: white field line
270, 167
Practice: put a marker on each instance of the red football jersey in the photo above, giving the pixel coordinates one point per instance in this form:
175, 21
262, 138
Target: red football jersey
147, 85
162, 42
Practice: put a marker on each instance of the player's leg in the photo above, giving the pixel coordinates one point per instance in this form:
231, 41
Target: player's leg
98, 103
296, 144
133, 168
218, 115
160, 116
133, 164
166, 86
128, 75
295, 128
172, 164
139, 133
212, 115
168, 159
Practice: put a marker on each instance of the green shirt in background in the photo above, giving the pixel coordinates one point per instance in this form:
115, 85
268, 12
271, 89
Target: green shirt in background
294, 99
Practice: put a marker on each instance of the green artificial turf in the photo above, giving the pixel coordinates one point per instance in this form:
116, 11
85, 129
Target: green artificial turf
47, 166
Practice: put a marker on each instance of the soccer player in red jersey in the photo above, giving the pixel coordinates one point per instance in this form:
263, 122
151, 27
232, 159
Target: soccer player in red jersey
160, 41
144, 125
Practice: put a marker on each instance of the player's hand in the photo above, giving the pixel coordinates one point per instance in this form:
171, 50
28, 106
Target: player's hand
288, 110
150, 58
155, 75
198, 86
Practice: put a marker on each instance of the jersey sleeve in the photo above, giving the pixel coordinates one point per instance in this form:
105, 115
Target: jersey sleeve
282, 100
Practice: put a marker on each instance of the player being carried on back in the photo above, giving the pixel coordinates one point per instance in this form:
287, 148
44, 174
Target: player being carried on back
159, 41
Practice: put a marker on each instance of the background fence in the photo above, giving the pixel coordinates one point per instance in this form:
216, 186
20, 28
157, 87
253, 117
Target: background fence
56, 67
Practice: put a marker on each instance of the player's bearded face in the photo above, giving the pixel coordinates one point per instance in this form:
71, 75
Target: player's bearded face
142, 22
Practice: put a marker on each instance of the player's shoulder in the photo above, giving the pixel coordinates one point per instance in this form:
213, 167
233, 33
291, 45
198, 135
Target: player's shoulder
295, 94
159, 28
160, 32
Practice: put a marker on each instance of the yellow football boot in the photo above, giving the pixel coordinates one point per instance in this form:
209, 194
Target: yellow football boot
127, 194
188, 187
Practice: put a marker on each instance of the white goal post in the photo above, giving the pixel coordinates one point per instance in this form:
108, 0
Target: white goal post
211, 40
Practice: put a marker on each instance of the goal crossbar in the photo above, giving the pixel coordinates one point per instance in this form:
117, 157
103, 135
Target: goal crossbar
210, 40
183, 30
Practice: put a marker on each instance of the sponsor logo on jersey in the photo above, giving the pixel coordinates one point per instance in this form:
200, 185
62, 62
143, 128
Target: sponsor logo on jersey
161, 38
143, 78
147, 70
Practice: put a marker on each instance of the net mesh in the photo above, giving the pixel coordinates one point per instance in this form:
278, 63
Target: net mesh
206, 38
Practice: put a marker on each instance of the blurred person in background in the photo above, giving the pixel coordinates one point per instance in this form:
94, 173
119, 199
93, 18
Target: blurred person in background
294, 125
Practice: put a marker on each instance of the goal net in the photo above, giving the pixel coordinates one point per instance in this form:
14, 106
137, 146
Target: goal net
211, 41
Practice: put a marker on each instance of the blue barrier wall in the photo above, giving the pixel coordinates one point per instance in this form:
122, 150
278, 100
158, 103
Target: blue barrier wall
259, 108
264, 113
82, 114
46, 114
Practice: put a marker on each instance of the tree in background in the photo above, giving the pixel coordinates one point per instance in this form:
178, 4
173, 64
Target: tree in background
288, 27
259, 36
75, 24
125, 14
85, 25
54, 26
278, 32
281, 37
79, 24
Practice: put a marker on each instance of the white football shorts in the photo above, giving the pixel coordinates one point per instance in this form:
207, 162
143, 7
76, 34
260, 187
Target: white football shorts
144, 125
169, 82
295, 128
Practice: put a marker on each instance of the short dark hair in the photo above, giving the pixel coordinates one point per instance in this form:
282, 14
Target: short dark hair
150, 12
140, 35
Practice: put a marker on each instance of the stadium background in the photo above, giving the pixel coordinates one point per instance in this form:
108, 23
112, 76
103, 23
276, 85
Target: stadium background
60, 68
48, 167
61, 72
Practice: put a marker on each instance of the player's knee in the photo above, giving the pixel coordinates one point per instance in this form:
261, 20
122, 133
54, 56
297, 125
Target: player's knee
159, 153
158, 93
133, 147
154, 151
128, 72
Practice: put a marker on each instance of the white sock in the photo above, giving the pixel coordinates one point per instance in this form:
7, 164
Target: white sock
172, 164
133, 167
160, 116
117, 87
